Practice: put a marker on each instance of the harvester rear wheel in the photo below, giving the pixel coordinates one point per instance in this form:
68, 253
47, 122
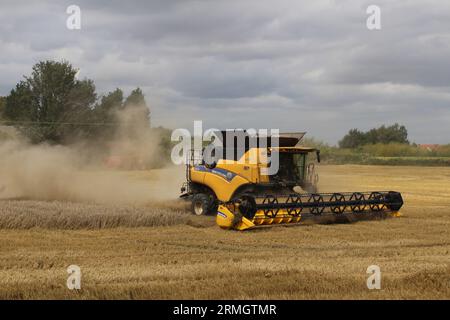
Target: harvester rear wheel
201, 204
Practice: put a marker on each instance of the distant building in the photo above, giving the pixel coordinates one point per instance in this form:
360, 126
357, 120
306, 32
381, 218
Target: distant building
429, 147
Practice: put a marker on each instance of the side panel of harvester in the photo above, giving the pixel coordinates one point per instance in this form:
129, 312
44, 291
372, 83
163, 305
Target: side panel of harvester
228, 175
223, 182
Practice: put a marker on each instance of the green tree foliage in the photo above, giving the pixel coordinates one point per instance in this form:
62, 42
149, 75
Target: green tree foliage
353, 139
2, 106
383, 135
18, 104
136, 99
51, 104
106, 113
110, 103
136, 116
126, 118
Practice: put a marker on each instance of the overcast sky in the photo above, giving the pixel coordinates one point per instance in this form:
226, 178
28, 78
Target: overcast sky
295, 65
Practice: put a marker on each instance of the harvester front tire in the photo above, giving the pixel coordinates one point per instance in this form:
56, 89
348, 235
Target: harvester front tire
201, 204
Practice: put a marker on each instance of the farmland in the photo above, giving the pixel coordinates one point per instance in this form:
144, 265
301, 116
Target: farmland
156, 250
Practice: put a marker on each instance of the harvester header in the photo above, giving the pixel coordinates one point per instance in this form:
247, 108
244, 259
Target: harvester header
250, 211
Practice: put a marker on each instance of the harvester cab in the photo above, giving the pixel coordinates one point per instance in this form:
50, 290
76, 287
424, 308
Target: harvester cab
265, 183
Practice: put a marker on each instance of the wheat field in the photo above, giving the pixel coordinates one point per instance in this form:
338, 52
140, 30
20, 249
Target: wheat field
161, 252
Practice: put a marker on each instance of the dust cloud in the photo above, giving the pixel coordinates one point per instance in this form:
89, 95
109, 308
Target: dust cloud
117, 174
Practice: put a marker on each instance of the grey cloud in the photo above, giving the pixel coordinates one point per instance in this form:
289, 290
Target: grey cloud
289, 64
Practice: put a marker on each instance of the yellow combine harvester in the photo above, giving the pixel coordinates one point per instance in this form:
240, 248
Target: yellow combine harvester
244, 196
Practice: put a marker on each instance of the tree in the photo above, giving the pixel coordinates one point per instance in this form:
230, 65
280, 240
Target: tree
111, 102
77, 120
51, 104
2, 106
18, 103
383, 134
106, 114
355, 138
136, 100
135, 117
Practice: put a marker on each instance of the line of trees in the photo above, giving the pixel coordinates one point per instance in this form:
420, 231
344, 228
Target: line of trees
383, 135
52, 105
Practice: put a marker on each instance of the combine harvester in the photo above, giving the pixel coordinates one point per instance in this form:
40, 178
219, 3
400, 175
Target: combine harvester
244, 196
